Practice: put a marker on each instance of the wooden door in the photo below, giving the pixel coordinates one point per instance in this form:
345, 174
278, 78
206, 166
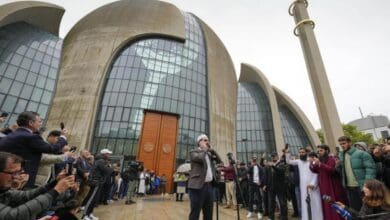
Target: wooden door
157, 148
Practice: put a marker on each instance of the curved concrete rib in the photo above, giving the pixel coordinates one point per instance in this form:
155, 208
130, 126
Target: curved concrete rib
40, 14
222, 92
89, 50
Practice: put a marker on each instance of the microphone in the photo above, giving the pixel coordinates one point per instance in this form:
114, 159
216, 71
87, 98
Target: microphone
327, 199
344, 213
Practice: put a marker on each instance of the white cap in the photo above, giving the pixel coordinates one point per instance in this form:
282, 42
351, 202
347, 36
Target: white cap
200, 137
106, 151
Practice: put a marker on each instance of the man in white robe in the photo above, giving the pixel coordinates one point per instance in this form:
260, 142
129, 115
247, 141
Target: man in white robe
308, 183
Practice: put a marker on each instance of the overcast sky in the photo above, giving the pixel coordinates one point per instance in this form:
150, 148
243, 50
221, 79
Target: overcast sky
353, 36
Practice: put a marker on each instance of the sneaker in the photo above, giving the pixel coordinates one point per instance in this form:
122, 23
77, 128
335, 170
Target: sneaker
92, 217
259, 216
250, 214
87, 218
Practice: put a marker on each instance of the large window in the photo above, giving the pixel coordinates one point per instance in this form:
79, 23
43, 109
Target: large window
157, 74
293, 132
29, 61
255, 135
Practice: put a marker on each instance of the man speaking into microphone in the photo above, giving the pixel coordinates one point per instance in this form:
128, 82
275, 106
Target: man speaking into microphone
202, 178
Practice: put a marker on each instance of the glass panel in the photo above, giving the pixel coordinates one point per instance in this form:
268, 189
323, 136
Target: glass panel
150, 74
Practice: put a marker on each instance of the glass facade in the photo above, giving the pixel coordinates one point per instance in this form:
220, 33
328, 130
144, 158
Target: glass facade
29, 62
255, 134
156, 74
293, 132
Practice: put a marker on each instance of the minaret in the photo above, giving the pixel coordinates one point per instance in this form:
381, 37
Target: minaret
326, 106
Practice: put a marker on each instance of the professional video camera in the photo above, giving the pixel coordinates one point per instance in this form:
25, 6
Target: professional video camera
136, 165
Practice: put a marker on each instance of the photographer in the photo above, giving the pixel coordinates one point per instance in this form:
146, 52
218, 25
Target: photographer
129, 177
16, 204
275, 184
242, 174
30, 146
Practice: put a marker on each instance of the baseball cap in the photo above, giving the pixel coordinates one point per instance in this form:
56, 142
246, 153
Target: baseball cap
106, 151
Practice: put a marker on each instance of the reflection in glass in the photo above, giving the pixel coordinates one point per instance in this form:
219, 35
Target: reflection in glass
26, 55
255, 134
148, 75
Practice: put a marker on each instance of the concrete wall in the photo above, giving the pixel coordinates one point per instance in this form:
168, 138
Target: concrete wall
222, 89
40, 14
88, 51
92, 44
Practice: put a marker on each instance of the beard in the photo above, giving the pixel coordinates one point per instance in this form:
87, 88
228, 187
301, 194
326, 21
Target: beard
324, 158
303, 157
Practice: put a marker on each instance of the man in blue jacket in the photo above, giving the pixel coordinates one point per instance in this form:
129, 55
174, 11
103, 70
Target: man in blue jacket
25, 142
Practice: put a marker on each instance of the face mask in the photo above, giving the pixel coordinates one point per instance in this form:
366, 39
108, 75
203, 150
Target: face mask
303, 157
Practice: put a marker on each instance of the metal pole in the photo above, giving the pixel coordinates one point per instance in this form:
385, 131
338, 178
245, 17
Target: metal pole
246, 149
326, 106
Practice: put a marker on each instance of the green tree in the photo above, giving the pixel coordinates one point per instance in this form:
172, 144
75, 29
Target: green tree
352, 132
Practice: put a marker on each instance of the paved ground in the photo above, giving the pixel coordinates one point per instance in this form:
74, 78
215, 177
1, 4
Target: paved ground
158, 208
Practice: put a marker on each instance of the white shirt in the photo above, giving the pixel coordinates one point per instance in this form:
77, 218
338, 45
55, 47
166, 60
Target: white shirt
256, 178
209, 173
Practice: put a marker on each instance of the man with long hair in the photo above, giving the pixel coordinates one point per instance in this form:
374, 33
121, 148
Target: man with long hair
329, 180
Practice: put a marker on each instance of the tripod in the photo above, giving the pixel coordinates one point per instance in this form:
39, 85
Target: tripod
236, 182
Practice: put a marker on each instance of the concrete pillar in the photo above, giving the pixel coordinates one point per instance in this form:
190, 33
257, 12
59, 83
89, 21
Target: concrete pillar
326, 105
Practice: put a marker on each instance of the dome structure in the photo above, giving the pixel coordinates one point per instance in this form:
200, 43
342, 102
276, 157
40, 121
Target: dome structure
133, 69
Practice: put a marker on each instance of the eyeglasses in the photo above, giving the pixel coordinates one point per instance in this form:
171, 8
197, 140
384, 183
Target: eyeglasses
14, 174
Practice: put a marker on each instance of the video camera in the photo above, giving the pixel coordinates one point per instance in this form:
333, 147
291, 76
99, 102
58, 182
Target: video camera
136, 165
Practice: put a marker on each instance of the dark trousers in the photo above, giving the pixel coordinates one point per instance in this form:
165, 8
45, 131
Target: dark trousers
281, 194
354, 197
255, 198
294, 200
221, 191
201, 199
92, 198
264, 195
244, 190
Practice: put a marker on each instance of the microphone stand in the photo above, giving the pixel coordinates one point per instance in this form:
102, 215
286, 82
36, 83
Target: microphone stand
214, 157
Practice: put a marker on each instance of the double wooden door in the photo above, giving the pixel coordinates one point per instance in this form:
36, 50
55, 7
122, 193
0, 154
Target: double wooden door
157, 144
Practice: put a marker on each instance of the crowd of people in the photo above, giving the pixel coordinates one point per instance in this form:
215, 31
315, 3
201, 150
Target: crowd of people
351, 184
47, 179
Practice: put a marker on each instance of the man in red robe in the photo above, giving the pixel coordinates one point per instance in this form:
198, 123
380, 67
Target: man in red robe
329, 181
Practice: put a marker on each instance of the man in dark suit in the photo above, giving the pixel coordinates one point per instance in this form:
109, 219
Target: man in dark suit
202, 178
255, 180
25, 142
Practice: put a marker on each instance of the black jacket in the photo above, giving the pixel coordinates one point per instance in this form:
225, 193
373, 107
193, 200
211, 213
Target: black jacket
275, 176
100, 171
251, 173
30, 147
